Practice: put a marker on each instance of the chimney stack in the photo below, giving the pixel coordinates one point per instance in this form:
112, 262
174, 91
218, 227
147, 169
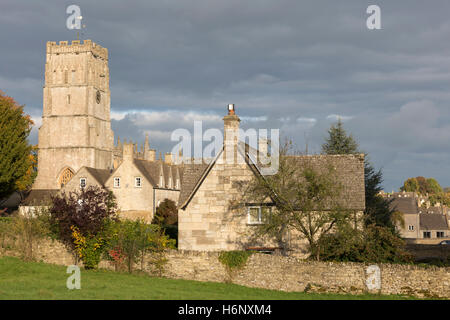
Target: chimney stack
128, 151
231, 135
168, 158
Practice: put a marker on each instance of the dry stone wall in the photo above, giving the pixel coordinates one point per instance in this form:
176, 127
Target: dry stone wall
287, 273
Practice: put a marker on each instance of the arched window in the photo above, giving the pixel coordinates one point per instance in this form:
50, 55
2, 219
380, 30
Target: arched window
65, 176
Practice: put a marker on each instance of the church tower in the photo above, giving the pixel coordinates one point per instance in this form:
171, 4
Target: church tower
76, 128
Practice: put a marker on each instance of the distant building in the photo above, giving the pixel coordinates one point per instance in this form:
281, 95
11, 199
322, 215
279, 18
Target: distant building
421, 220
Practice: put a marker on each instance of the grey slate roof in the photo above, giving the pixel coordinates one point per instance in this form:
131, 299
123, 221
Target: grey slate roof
404, 205
101, 175
430, 221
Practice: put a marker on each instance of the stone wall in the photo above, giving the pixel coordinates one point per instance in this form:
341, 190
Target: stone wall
287, 273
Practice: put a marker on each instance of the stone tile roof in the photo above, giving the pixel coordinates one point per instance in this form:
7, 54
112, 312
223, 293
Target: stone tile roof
190, 177
39, 197
152, 171
350, 174
404, 205
101, 175
430, 221
349, 167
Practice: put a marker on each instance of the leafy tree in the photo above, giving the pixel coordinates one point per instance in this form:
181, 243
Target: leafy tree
15, 127
27, 180
308, 200
423, 185
433, 186
166, 213
410, 185
338, 141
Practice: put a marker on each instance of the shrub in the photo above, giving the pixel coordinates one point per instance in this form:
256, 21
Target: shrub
27, 230
80, 219
374, 244
129, 241
233, 261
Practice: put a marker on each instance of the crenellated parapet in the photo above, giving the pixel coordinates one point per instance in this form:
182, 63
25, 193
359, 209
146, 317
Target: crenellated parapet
77, 46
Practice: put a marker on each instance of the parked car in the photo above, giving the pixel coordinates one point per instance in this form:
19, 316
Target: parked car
445, 242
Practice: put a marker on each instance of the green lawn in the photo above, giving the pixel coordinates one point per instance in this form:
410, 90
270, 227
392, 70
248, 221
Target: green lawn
33, 280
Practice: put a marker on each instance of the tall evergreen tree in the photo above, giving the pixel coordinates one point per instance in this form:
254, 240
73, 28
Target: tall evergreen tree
15, 161
377, 209
338, 142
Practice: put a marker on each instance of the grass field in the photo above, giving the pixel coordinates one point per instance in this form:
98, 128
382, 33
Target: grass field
33, 280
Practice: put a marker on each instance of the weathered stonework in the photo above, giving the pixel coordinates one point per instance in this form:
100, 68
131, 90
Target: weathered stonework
76, 129
286, 273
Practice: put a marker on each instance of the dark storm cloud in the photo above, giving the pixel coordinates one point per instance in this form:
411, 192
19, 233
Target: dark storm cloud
293, 65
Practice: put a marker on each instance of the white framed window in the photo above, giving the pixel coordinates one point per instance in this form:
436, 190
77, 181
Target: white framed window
411, 228
427, 234
440, 234
82, 183
116, 182
258, 214
137, 182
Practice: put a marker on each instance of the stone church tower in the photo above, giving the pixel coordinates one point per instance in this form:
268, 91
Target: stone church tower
76, 129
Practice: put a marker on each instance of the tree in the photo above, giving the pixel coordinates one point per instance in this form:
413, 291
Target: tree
433, 186
338, 142
308, 200
410, 185
27, 180
377, 208
166, 213
15, 161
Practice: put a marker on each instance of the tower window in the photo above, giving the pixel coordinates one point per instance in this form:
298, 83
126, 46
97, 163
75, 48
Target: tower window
68, 99
116, 182
65, 176
66, 77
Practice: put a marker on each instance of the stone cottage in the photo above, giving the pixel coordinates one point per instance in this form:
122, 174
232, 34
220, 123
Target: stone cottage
206, 219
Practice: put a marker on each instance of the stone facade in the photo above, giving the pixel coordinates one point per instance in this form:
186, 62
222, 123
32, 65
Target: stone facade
286, 273
76, 129
76, 144
212, 215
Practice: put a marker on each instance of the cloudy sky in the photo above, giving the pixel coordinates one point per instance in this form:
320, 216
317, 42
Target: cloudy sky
287, 64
